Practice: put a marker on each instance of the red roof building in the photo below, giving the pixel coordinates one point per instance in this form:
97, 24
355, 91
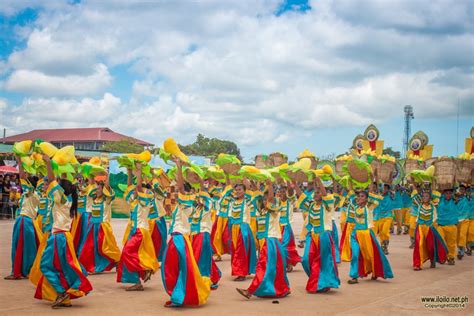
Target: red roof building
82, 138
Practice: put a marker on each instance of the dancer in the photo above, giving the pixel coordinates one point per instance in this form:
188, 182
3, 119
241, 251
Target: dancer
415, 198
286, 201
180, 273
383, 218
26, 233
99, 251
201, 225
138, 260
243, 254
367, 254
447, 221
156, 220
345, 243
319, 260
308, 192
220, 235
81, 222
62, 278
42, 210
429, 245
270, 278
466, 221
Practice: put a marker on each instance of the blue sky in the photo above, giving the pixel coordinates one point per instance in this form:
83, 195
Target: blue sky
269, 75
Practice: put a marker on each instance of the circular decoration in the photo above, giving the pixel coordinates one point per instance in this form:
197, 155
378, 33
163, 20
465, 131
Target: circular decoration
371, 133
416, 144
357, 143
422, 136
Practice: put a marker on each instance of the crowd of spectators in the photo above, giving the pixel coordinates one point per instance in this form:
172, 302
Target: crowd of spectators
10, 193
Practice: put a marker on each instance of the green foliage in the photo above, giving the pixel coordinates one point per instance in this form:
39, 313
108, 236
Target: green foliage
391, 152
210, 147
115, 180
126, 145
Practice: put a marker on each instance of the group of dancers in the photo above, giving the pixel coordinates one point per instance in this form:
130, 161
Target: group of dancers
63, 233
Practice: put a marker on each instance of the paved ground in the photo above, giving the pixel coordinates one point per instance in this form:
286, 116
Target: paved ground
400, 295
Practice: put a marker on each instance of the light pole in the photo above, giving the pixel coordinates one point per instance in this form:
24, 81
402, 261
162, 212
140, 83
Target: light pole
408, 109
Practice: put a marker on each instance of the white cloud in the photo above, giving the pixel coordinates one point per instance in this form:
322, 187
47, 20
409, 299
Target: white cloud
55, 112
37, 83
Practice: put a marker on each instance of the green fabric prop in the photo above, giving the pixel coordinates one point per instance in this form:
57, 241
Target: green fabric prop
90, 170
420, 176
223, 159
164, 155
122, 187
217, 175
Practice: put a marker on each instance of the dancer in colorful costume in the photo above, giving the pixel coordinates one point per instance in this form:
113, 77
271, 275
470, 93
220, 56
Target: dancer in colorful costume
319, 260
81, 222
345, 243
221, 236
179, 270
201, 225
309, 189
383, 217
415, 200
270, 277
367, 254
99, 251
62, 277
429, 245
447, 221
156, 220
243, 255
42, 206
287, 203
26, 233
466, 221
138, 259
336, 215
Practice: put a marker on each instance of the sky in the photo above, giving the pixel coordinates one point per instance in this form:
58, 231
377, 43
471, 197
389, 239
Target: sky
270, 75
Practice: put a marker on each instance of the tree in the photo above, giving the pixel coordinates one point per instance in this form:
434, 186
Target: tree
391, 152
210, 147
126, 145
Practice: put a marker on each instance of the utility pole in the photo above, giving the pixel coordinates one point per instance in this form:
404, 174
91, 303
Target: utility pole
408, 109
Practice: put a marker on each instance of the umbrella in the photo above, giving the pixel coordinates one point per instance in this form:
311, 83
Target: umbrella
8, 169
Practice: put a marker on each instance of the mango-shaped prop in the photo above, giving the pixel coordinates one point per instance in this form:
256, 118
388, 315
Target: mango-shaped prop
27, 161
172, 148
304, 164
64, 155
430, 171
23, 148
48, 149
143, 156
327, 169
